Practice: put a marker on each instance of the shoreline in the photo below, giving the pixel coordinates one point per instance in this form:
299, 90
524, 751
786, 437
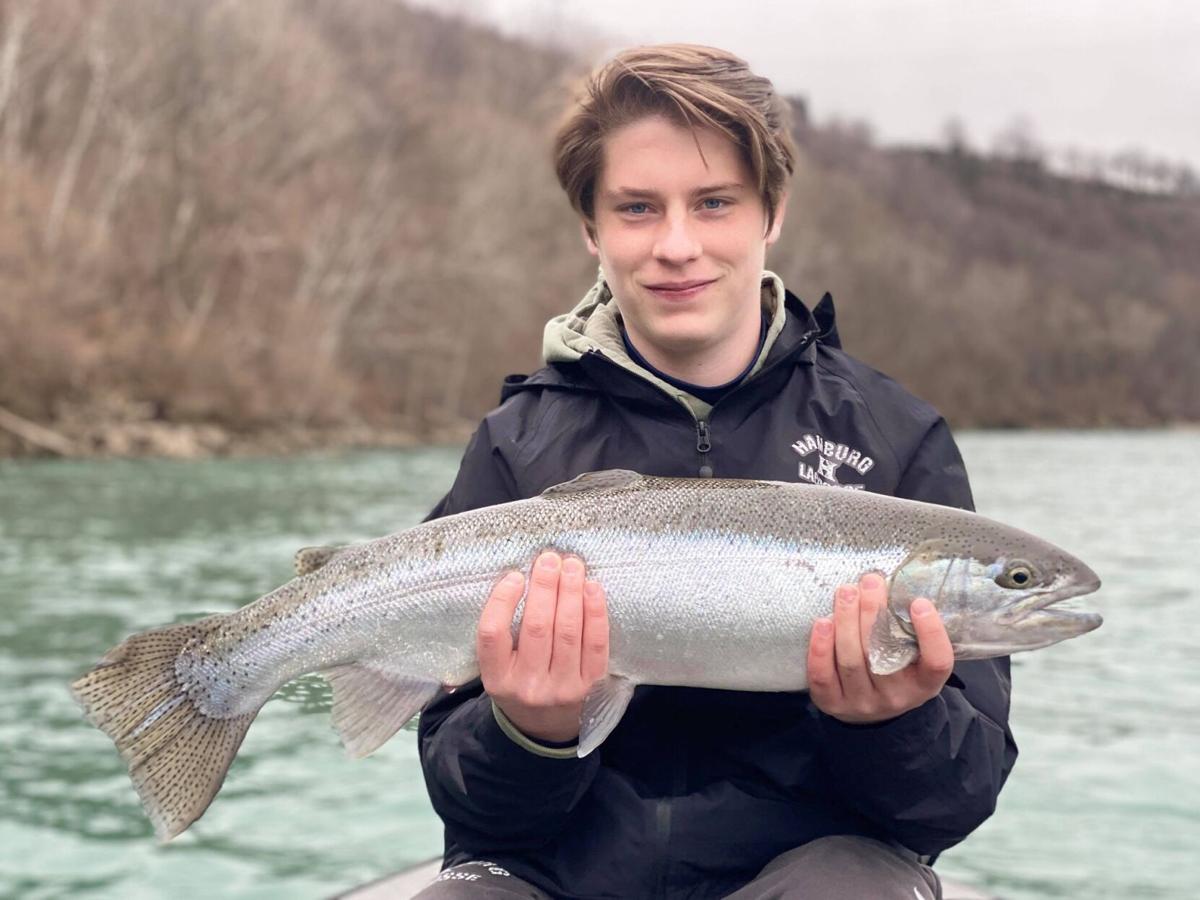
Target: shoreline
161, 439
120, 438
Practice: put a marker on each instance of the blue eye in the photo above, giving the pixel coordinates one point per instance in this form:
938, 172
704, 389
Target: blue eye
713, 203
636, 208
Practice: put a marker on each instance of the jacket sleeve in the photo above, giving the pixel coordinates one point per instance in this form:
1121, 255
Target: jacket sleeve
490, 793
931, 776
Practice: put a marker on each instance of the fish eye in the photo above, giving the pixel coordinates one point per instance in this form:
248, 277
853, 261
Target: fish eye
1017, 574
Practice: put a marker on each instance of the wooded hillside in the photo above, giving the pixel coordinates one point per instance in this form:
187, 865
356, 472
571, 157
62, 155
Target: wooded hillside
302, 217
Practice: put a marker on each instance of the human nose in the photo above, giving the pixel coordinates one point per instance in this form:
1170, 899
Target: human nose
675, 242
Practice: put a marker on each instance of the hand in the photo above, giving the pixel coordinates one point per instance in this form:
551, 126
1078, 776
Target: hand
561, 650
839, 678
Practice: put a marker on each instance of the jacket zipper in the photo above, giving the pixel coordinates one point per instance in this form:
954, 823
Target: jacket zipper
664, 811
663, 835
703, 445
703, 438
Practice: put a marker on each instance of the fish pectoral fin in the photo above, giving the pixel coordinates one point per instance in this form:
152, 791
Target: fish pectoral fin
371, 704
609, 479
602, 710
889, 648
308, 559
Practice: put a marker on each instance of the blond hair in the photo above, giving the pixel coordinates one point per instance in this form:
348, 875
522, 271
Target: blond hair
691, 85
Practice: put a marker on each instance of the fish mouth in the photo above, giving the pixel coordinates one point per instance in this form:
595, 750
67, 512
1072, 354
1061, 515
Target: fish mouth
1035, 608
1064, 621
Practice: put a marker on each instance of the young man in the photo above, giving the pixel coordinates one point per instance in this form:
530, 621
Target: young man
688, 359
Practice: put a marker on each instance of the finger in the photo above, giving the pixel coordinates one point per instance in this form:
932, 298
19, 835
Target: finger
593, 664
872, 599
493, 638
847, 643
823, 682
936, 661
568, 619
535, 642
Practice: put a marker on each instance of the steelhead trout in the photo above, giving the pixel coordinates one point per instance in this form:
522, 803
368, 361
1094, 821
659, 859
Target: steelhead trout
710, 583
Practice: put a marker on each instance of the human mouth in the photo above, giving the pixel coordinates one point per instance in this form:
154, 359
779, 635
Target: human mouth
678, 290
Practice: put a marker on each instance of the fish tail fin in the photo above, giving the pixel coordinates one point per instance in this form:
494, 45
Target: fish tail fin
177, 755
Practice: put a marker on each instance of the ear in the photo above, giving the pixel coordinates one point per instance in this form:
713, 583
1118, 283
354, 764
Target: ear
777, 225
588, 230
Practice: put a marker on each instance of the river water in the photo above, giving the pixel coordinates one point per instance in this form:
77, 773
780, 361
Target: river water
1104, 802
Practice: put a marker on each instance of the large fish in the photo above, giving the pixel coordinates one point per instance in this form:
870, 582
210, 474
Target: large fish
710, 583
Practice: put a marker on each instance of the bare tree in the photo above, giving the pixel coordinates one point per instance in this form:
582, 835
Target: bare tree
1018, 142
90, 114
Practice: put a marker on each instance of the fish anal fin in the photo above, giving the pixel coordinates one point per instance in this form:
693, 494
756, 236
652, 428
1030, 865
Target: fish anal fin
370, 704
308, 559
602, 710
607, 480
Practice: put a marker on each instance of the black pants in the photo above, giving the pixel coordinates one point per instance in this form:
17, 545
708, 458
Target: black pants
832, 868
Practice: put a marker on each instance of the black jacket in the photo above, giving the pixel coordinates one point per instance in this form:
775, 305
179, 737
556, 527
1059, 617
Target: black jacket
696, 790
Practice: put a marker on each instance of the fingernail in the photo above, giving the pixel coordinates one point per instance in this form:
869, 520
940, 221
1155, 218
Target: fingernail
920, 607
572, 565
823, 626
513, 579
548, 561
591, 590
847, 594
871, 581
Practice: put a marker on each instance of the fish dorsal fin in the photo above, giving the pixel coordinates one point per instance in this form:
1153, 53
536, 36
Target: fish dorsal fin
309, 559
608, 480
602, 710
370, 704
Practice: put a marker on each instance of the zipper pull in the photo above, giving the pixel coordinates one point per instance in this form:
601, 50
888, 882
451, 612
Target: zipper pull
703, 445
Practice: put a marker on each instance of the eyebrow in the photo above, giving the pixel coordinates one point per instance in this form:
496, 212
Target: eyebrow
643, 192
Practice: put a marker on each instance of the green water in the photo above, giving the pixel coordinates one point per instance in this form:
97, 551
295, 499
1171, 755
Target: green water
1105, 800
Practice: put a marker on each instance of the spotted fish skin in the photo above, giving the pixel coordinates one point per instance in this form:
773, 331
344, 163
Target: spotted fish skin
694, 570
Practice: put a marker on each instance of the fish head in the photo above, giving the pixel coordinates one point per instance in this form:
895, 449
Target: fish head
996, 590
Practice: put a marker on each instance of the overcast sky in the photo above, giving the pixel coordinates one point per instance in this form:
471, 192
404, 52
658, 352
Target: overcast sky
1103, 75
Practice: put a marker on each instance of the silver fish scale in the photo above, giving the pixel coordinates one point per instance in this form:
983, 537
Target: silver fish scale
710, 583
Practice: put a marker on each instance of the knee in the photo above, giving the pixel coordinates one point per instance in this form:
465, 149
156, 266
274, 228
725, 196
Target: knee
846, 847
833, 851
848, 866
